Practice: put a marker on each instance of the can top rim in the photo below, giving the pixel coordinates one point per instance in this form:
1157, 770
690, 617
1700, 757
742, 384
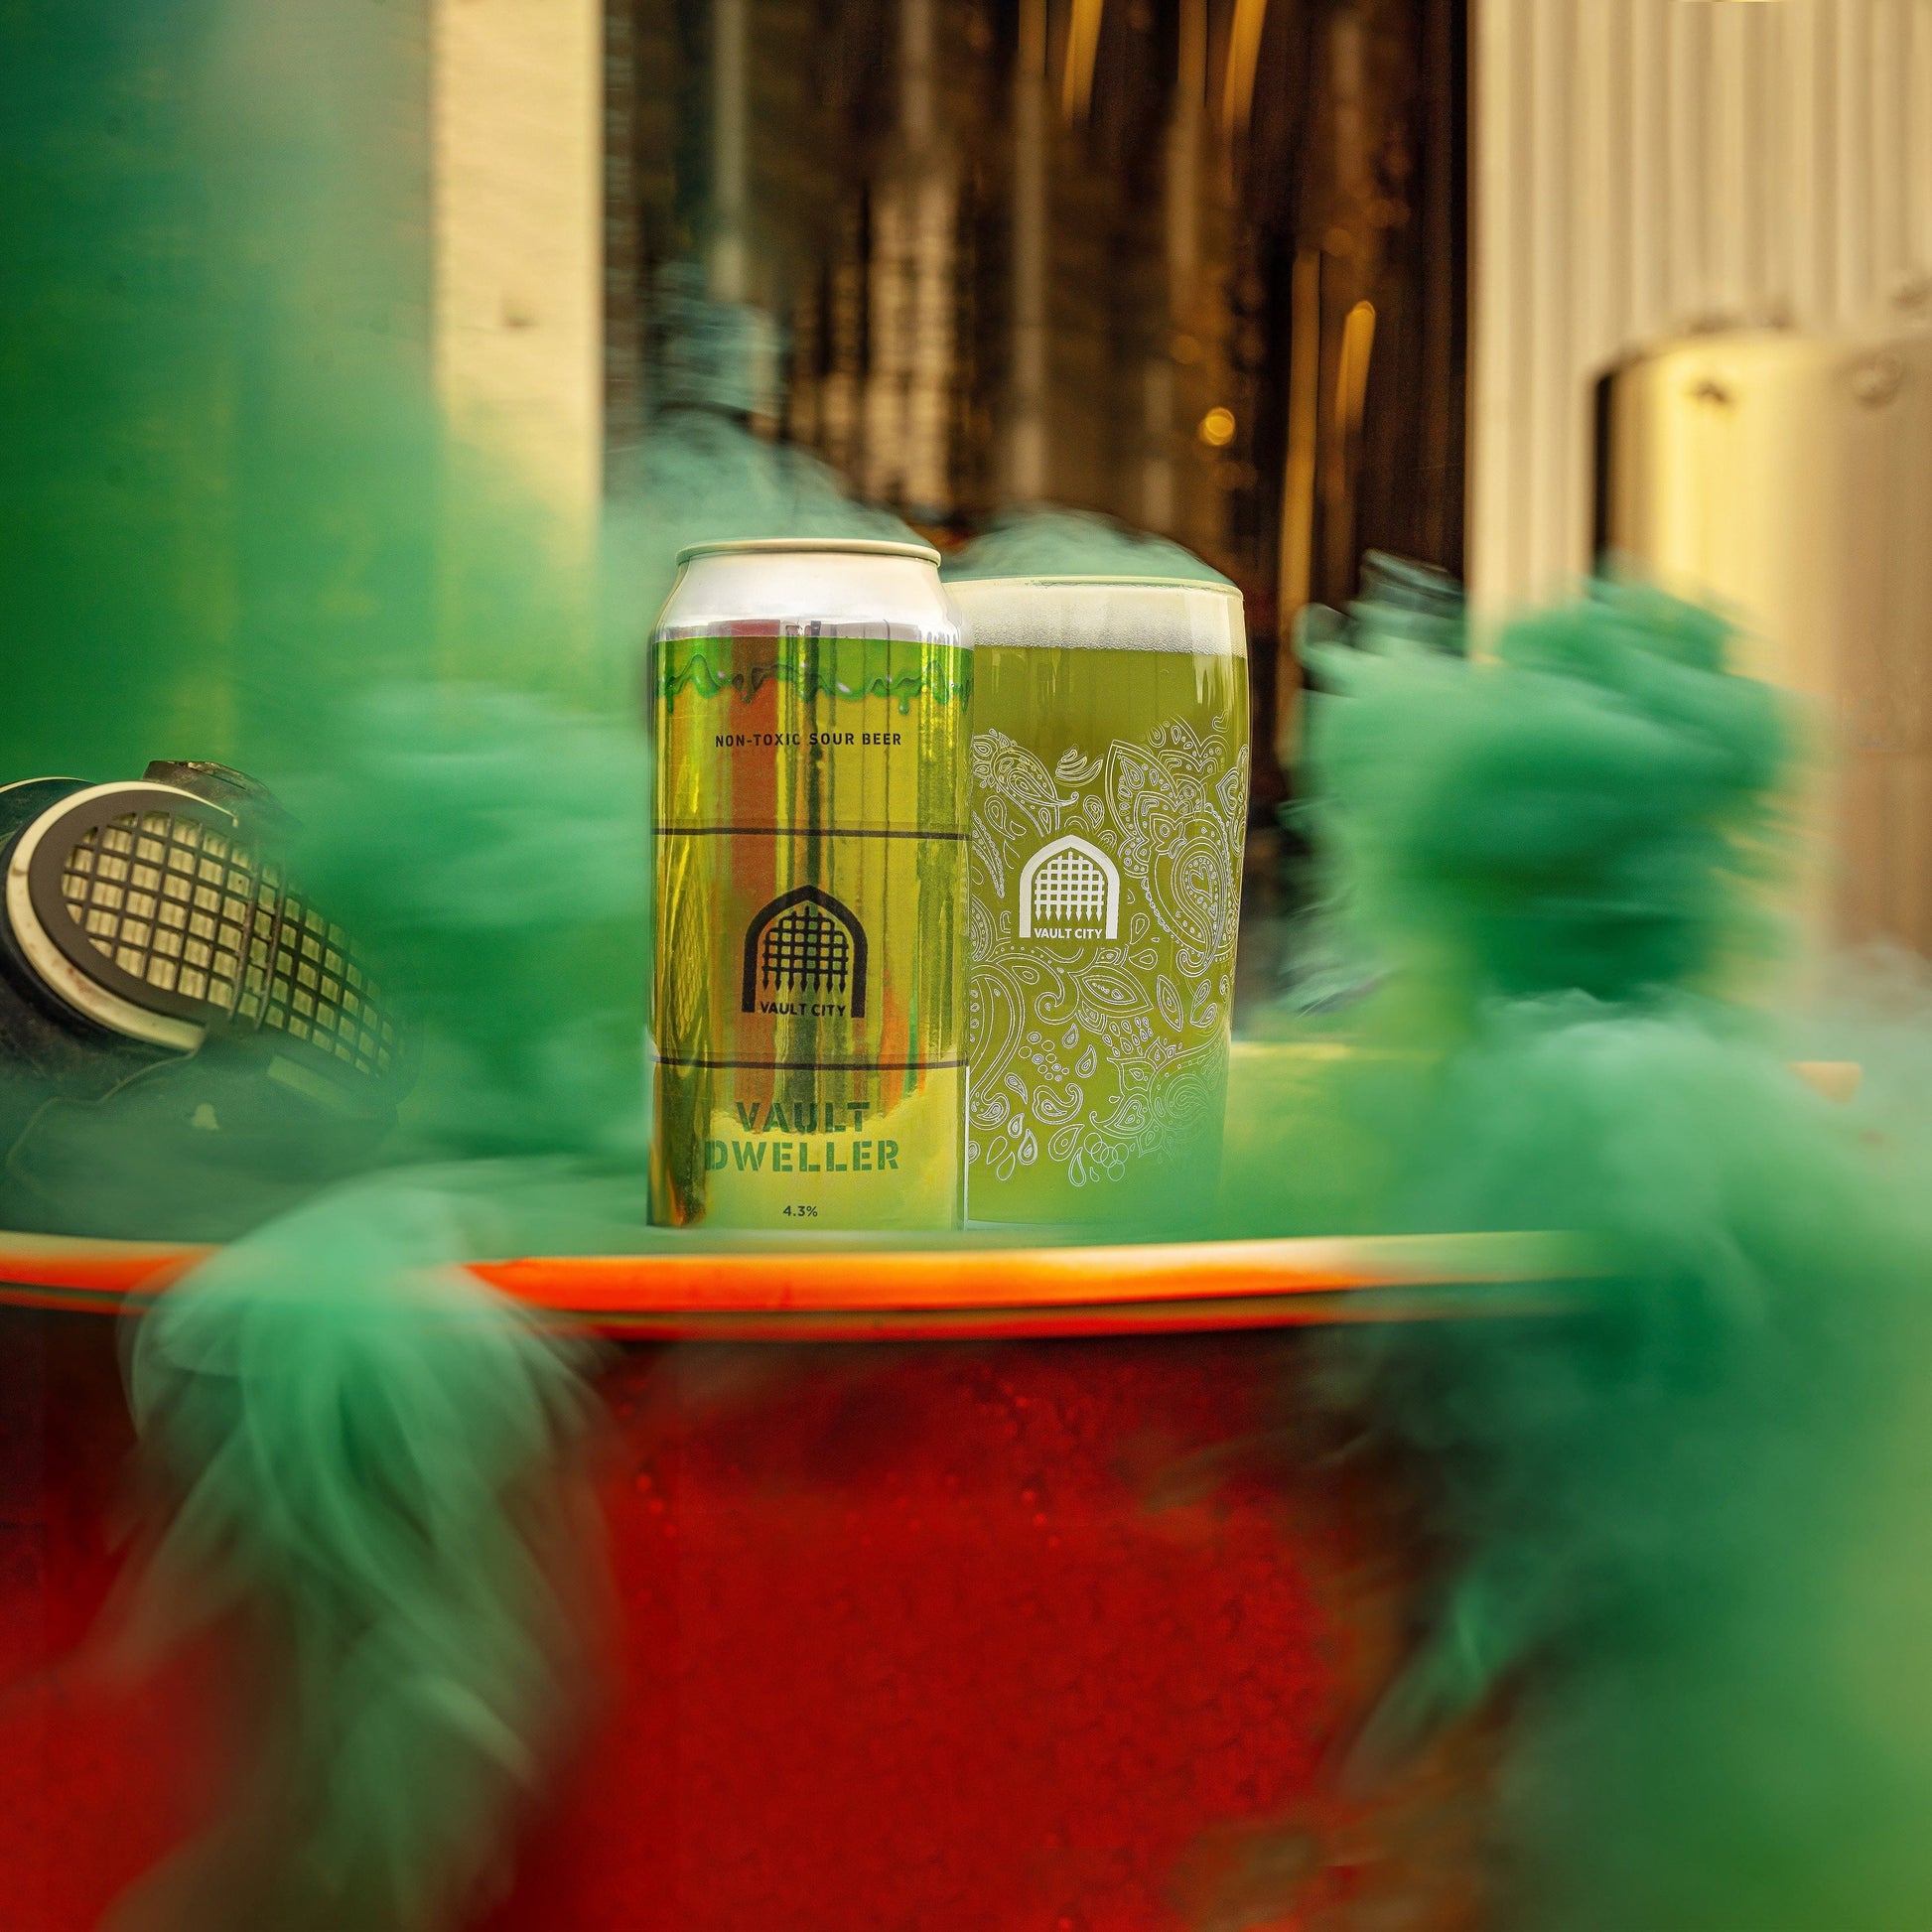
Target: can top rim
1118, 581
811, 546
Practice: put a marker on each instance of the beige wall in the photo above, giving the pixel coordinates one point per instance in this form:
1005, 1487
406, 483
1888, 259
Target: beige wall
1642, 167
516, 171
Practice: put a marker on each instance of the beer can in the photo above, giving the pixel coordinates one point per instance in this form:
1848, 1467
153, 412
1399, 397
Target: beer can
1110, 808
807, 1026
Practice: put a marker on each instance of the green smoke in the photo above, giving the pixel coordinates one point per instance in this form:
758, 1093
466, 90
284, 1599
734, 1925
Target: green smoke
239, 531
488, 846
1073, 543
1680, 1526
1578, 819
703, 474
1684, 1558
366, 1453
242, 532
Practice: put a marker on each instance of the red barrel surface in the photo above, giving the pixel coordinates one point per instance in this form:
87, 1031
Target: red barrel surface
1041, 1634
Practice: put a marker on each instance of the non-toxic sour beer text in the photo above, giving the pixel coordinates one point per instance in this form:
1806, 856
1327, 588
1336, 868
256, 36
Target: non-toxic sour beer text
808, 1010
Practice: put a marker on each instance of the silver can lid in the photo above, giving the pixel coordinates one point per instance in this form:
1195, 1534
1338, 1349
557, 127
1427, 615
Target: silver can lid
809, 546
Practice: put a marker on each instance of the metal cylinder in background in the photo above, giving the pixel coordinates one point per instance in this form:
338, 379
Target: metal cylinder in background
1789, 476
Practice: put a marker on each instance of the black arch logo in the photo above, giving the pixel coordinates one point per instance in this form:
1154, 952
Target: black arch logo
806, 941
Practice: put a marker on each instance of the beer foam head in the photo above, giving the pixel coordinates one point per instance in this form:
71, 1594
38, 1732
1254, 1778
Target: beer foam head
1199, 617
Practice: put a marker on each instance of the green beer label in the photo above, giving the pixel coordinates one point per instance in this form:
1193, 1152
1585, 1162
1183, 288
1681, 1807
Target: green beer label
1109, 812
808, 1005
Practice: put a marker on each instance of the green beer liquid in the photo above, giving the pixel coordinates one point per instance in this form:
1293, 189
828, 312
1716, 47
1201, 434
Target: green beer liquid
1109, 797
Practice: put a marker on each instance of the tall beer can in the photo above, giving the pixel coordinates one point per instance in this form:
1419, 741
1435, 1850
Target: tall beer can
807, 1029
1110, 810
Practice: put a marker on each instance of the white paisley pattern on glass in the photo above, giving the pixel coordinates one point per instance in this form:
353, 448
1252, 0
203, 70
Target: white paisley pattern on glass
1086, 1053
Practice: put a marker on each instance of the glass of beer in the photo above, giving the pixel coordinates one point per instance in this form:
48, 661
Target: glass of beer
1109, 813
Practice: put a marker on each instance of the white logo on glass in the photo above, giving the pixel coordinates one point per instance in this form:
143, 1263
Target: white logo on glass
1069, 890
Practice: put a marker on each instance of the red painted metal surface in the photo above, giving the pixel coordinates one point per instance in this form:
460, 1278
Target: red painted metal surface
985, 1636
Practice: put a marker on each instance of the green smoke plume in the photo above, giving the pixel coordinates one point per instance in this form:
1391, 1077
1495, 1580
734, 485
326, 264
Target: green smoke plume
1680, 1526
1682, 1549
702, 473
362, 1452
242, 532
1039, 542
238, 530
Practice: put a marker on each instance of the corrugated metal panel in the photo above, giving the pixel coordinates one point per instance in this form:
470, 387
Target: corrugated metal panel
1644, 168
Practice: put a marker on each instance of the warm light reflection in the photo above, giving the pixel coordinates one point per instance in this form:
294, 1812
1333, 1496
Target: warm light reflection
1217, 428
1082, 44
1351, 378
1244, 56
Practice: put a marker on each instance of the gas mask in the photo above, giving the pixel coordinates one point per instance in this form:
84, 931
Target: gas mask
187, 1044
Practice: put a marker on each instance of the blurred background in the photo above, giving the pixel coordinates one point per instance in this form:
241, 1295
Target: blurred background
1499, 286
1492, 284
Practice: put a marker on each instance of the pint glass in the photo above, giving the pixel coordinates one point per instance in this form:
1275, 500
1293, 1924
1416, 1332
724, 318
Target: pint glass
1110, 798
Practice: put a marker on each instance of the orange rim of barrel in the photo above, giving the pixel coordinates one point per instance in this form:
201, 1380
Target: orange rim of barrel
963, 1292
